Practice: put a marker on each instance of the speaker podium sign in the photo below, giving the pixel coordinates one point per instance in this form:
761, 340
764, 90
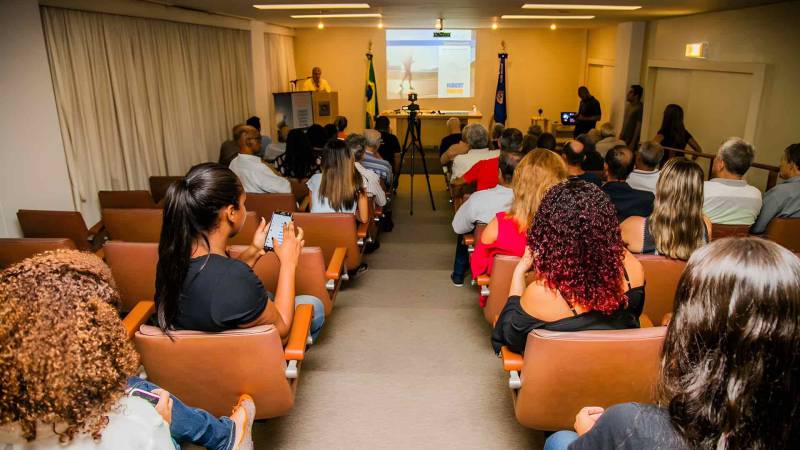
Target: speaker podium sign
305, 108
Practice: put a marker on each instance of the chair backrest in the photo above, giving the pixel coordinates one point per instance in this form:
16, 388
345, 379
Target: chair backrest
133, 224
211, 370
133, 265
330, 230
565, 371
785, 232
14, 250
245, 235
719, 231
265, 204
55, 224
661, 275
309, 275
499, 284
159, 185
126, 199
479, 229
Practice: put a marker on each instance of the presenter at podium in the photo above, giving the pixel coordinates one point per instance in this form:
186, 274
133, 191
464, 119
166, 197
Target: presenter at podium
316, 83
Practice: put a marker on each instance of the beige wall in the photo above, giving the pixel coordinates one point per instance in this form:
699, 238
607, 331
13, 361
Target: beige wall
765, 34
602, 43
544, 70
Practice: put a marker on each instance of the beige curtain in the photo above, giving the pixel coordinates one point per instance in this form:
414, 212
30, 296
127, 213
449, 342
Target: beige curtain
280, 69
140, 97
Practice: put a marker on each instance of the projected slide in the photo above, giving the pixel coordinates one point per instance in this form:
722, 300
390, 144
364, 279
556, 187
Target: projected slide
434, 64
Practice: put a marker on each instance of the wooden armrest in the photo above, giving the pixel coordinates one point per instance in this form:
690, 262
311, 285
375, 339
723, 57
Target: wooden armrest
334, 270
469, 239
96, 228
363, 229
379, 211
511, 360
483, 280
298, 336
645, 322
138, 315
666, 319
305, 203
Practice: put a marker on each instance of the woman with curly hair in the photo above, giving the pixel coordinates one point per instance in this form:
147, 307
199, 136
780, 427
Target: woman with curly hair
585, 278
729, 367
66, 365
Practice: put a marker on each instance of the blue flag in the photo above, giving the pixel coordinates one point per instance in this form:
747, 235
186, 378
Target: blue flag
500, 98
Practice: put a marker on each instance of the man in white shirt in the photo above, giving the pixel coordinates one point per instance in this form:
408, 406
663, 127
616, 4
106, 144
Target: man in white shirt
645, 176
372, 182
476, 136
255, 175
729, 200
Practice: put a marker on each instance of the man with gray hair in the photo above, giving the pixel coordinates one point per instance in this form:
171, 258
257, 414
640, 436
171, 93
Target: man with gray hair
729, 200
608, 139
645, 175
372, 159
358, 145
477, 138
454, 126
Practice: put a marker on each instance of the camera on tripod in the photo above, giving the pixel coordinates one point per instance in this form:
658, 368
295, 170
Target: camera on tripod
413, 106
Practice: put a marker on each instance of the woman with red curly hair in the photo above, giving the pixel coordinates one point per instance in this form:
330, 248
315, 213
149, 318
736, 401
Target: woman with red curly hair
585, 278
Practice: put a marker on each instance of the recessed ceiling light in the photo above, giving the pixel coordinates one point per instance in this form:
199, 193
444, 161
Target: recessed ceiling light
494, 25
334, 16
552, 26
591, 7
314, 6
380, 24
320, 25
535, 17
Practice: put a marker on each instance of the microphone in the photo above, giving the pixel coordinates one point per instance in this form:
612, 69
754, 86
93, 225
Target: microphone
299, 79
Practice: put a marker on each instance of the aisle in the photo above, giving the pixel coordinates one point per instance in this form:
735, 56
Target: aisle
405, 360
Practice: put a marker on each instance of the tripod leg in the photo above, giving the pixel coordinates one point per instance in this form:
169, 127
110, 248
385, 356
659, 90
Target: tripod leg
413, 143
402, 158
427, 176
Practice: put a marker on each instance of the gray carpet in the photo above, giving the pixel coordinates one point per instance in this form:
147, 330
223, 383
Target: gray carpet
404, 361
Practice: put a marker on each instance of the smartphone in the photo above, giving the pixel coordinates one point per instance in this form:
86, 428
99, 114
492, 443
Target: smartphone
279, 219
149, 396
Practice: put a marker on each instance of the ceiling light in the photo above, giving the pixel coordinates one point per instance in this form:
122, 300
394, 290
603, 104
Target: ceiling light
314, 6
590, 7
380, 24
320, 25
334, 16
494, 25
535, 17
552, 26
439, 23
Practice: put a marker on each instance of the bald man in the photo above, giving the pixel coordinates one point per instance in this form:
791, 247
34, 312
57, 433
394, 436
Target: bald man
316, 83
454, 125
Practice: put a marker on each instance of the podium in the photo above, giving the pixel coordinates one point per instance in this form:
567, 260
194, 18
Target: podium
305, 108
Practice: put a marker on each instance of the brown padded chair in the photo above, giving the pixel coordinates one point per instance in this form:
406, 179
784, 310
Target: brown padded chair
785, 232
61, 224
335, 234
265, 204
14, 250
144, 225
126, 199
472, 239
661, 276
133, 265
159, 186
719, 231
495, 287
564, 371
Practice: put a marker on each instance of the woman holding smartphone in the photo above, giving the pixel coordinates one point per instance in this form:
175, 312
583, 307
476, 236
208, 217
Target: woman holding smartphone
198, 286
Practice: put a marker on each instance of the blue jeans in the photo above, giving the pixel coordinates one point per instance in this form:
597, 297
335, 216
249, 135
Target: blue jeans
318, 319
560, 440
461, 263
193, 425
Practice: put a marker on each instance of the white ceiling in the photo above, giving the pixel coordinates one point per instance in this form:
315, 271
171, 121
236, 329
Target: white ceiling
465, 13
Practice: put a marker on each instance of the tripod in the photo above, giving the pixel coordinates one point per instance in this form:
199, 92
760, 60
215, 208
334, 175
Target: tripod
413, 142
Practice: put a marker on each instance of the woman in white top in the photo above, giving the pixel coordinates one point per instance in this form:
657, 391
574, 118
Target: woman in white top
66, 368
339, 188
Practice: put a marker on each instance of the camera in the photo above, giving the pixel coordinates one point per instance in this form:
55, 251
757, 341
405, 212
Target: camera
413, 106
412, 97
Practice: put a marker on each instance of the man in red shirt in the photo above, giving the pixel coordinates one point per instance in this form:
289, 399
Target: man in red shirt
484, 173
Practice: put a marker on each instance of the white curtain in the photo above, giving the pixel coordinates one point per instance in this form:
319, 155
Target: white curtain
280, 69
140, 97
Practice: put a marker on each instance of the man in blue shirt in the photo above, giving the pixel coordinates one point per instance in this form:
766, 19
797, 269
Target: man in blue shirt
372, 159
784, 199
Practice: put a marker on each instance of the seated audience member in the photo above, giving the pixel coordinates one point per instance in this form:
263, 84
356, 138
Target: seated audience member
645, 174
627, 200
478, 140
67, 367
372, 182
341, 125
677, 226
546, 141
535, 130
507, 233
783, 200
454, 127
255, 122
585, 279
497, 132
372, 158
593, 162
529, 142
339, 188
574, 155
608, 139
198, 287
482, 206
390, 146
298, 161
729, 200
728, 364
673, 134
484, 173
255, 175
317, 136
230, 148
632, 123
331, 132
276, 149
456, 149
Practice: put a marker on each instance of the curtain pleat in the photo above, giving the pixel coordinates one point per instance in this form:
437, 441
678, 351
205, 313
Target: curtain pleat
280, 67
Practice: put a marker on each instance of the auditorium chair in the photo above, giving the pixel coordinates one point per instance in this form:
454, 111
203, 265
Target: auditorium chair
126, 199
561, 372
338, 237
719, 231
785, 232
495, 287
472, 239
265, 204
61, 224
159, 186
14, 250
144, 225
133, 265
661, 275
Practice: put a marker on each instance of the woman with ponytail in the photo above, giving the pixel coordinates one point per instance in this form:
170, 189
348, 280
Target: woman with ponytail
198, 287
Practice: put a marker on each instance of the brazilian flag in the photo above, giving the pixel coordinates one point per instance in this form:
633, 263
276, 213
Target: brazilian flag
370, 95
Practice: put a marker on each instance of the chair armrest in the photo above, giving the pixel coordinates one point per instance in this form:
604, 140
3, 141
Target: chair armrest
483, 280
666, 319
511, 360
363, 230
137, 316
645, 322
469, 239
295, 349
334, 270
305, 203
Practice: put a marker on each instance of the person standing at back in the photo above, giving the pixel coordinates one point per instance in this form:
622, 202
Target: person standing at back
632, 125
588, 112
645, 175
627, 200
729, 200
783, 200
673, 133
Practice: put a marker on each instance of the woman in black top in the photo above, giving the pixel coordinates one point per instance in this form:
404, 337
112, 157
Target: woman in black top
585, 279
198, 287
730, 365
673, 134
299, 161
